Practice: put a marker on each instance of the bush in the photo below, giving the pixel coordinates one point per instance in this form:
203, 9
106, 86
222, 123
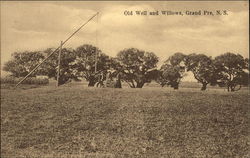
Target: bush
29, 80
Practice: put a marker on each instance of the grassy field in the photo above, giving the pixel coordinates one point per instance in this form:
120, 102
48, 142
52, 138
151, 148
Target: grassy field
76, 121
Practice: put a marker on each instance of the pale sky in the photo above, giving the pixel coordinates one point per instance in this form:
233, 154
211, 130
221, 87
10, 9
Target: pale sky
40, 25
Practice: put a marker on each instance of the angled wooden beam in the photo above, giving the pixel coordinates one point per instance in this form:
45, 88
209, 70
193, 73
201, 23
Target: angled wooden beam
56, 49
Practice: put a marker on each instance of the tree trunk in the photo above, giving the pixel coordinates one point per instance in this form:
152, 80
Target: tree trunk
176, 86
118, 84
130, 85
228, 88
91, 83
204, 86
232, 88
238, 88
140, 85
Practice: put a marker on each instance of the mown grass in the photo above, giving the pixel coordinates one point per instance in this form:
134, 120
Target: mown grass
76, 121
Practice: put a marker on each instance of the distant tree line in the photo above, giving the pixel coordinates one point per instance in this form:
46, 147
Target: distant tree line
135, 67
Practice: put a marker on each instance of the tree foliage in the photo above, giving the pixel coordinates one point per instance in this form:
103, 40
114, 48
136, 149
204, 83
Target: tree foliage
86, 56
172, 71
50, 67
202, 68
136, 66
232, 70
22, 63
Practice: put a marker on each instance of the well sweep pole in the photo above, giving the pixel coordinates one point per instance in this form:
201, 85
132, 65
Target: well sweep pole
59, 65
56, 49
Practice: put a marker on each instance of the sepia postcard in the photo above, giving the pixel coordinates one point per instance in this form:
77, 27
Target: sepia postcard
149, 79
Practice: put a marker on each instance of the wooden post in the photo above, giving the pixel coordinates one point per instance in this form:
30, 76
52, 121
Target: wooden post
59, 64
96, 54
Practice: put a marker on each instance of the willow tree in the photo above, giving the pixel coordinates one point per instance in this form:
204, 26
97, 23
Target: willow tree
173, 70
137, 66
91, 63
232, 70
202, 68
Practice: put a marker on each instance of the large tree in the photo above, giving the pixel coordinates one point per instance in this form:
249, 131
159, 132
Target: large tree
67, 68
87, 56
137, 66
202, 68
232, 70
173, 70
22, 63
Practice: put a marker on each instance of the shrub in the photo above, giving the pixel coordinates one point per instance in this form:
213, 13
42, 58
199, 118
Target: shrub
29, 80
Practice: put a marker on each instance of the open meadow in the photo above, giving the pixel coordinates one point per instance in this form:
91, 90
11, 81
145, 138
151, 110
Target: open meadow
76, 121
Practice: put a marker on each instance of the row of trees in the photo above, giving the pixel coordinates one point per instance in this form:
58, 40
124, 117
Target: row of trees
226, 70
135, 67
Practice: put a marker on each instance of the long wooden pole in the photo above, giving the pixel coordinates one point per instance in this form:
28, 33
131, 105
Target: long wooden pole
59, 65
56, 49
96, 55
